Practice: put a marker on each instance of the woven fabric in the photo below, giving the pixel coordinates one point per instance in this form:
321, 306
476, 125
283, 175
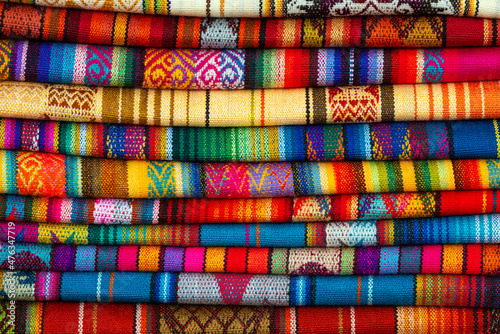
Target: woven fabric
369, 141
128, 318
247, 289
423, 231
268, 107
77, 26
46, 174
255, 210
117, 66
260, 8
429, 259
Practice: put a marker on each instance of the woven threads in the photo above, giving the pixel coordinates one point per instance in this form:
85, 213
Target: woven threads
246, 289
428, 259
215, 108
446, 230
127, 318
68, 25
243, 68
45, 174
259, 8
376, 141
255, 210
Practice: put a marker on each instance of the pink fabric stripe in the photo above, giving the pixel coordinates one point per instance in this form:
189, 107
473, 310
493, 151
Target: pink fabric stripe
127, 258
431, 259
194, 259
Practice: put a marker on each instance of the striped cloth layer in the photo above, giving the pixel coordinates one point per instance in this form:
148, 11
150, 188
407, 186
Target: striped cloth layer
368, 141
77, 26
260, 8
100, 65
46, 174
128, 318
429, 259
255, 210
258, 290
268, 107
480, 229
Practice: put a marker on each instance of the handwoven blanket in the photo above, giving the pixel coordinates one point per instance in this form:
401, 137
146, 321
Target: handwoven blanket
368, 141
430, 259
260, 8
46, 174
254, 210
118, 66
259, 290
423, 231
248, 107
129, 318
78, 26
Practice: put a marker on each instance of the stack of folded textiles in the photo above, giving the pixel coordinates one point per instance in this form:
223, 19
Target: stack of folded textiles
252, 166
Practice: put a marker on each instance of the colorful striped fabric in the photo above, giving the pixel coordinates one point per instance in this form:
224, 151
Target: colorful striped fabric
430, 259
46, 174
100, 65
247, 289
368, 141
260, 8
128, 318
268, 107
255, 210
423, 231
77, 26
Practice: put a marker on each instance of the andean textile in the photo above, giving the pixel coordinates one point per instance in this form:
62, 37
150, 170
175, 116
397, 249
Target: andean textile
258, 290
255, 210
261, 8
78, 26
479, 229
117, 66
46, 174
473, 259
150, 318
266, 107
368, 141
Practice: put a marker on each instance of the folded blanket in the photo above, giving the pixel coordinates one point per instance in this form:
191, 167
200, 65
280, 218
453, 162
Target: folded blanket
254, 210
369, 141
128, 318
101, 65
430, 259
78, 26
238, 108
246, 289
46, 174
259, 8
479, 229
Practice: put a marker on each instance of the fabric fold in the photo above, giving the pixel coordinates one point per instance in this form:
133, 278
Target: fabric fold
473, 259
129, 318
116, 66
480, 229
46, 174
259, 290
370, 141
77, 26
255, 210
260, 8
267, 107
